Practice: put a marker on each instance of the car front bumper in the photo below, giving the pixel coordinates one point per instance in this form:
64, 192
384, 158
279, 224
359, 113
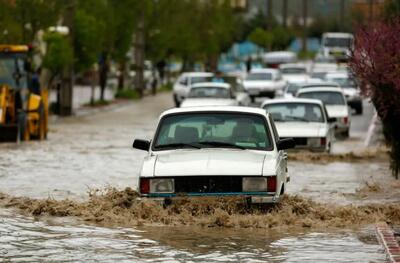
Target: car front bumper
252, 197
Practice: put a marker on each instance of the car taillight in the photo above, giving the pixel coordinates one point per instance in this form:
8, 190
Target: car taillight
323, 141
144, 185
345, 120
271, 183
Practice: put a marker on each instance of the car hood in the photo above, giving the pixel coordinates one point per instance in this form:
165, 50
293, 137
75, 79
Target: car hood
213, 162
335, 111
258, 84
351, 92
208, 102
301, 129
296, 78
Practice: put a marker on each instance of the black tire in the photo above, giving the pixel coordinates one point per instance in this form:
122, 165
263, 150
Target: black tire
346, 134
176, 101
253, 99
22, 125
283, 189
359, 110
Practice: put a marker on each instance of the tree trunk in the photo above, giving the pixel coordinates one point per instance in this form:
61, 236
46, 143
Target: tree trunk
304, 36
284, 13
121, 77
140, 56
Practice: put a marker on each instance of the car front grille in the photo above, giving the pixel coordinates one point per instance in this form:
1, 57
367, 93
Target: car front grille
208, 184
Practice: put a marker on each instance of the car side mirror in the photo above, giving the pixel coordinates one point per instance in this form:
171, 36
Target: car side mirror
141, 144
284, 144
332, 120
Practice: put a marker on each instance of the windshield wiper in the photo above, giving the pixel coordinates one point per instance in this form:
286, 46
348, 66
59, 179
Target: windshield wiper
178, 145
222, 144
298, 118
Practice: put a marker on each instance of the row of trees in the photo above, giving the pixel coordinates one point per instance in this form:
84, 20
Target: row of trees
105, 30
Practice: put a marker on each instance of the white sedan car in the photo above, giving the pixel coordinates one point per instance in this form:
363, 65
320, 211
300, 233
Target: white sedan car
335, 103
294, 73
350, 89
215, 151
304, 120
264, 82
210, 94
184, 81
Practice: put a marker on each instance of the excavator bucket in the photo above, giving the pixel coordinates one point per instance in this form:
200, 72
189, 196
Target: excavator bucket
8, 132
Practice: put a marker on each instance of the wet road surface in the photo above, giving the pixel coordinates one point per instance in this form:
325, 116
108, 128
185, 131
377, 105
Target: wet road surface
95, 152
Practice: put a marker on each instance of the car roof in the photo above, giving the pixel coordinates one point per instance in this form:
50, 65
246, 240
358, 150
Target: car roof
319, 84
337, 75
337, 34
317, 89
238, 109
212, 84
292, 65
292, 100
264, 70
197, 74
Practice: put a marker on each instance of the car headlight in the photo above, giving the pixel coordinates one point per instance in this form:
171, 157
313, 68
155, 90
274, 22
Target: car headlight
163, 186
254, 184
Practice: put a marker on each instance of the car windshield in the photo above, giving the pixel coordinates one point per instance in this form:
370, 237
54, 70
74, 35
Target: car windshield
303, 112
293, 88
343, 82
209, 92
7, 70
338, 42
199, 79
327, 97
318, 75
293, 71
259, 76
204, 130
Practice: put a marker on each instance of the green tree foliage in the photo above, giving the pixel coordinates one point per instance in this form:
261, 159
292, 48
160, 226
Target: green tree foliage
261, 37
391, 10
88, 40
59, 53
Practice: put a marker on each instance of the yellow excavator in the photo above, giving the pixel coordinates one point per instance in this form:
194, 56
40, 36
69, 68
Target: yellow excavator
23, 103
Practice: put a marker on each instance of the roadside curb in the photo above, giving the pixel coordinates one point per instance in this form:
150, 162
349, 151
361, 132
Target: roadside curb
387, 239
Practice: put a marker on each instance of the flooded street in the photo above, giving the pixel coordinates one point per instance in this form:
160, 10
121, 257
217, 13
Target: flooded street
94, 151
26, 240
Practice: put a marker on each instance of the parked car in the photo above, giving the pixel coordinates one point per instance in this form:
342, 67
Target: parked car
214, 151
264, 82
350, 89
184, 81
304, 120
294, 73
335, 103
210, 94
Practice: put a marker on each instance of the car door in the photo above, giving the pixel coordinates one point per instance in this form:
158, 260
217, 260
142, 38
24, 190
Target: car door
181, 86
282, 158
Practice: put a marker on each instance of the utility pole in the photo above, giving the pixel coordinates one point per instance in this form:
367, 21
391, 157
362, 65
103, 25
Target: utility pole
284, 13
139, 55
341, 17
67, 76
371, 10
269, 14
304, 36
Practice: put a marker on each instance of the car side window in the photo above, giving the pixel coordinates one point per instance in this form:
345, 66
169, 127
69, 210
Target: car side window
274, 130
183, 81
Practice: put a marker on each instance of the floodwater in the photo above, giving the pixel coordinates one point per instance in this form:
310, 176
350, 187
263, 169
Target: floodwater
24, 239
95, 152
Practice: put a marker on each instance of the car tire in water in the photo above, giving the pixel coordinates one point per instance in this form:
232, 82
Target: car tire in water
176, 101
